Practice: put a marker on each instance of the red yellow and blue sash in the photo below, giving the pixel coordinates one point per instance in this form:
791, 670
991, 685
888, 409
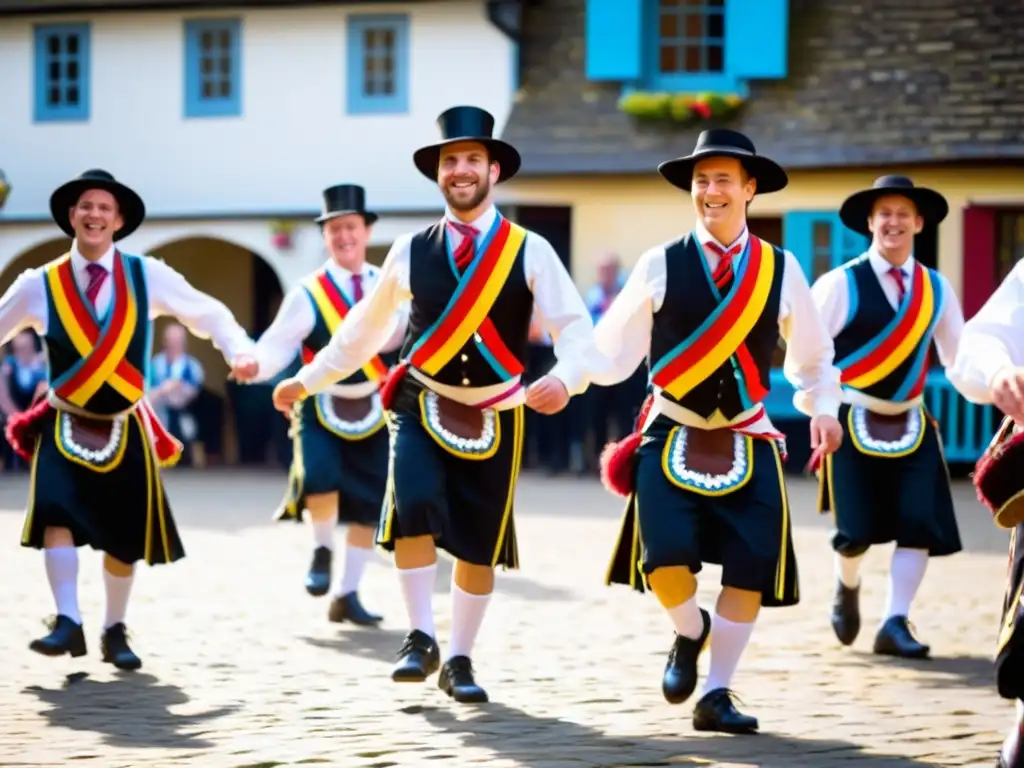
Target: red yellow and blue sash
907, 336
103, 347
722, 337
467, 312
488, 342
333, 306
466, 315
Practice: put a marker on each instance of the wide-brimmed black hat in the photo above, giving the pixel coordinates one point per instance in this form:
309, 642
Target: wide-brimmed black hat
343, 199
856, 209
721, 142
468, 124
132, 209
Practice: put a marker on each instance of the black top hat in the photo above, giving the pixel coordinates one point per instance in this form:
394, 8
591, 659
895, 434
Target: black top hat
468, 124
132, 209
721, 142
343, 199
856, 210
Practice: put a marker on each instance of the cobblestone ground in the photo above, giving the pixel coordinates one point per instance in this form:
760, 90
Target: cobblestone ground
242, 669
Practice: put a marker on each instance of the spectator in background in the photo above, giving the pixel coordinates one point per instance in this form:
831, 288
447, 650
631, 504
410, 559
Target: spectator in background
176, 379
22, 380
620, 403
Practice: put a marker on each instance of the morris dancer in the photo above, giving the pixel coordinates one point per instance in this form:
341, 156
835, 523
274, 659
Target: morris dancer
95, 445
889, 481
989, 368
703, 473
456, 398
340, 444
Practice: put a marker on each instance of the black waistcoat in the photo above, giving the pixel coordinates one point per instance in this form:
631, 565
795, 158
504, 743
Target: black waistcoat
433, 283
689, 301
873, 313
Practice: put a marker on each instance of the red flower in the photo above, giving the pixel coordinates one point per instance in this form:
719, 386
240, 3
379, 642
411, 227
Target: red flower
703, 109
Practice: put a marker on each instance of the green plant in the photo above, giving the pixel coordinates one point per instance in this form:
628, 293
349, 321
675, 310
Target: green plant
684, 108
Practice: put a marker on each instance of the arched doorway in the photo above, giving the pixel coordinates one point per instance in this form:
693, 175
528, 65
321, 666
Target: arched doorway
239, 422
33, 257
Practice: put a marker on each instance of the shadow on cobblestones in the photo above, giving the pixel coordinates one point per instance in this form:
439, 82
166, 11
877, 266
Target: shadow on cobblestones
944, 671
131, 710
539, 742
379, 644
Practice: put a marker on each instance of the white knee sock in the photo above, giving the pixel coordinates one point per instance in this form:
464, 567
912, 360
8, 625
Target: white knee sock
62, 573
118, 588
418, 591
848, 570
728, 641
905, 577
323, 531
467, 616
687, 619
356, 559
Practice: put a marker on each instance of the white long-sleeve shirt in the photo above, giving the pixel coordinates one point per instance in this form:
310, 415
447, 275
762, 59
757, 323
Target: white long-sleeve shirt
366, 327
831, 293
992, 340
623, 335
296, 319
24, 305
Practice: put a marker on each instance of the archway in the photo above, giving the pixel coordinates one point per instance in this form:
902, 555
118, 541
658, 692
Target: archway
33, 257
250, 431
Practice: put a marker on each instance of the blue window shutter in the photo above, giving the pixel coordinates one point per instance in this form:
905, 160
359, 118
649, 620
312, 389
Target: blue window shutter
797, 237
62, 58
213, 92
756, 38
378, 93
820, 241
614, 31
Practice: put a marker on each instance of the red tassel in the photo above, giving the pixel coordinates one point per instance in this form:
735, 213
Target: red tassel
618, 466
22, 430
816, 459
389, 388
988, 464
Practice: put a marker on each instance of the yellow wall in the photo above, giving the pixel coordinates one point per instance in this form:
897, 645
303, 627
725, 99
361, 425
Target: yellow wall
629, 214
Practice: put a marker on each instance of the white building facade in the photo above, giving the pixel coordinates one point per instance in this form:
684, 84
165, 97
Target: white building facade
229, 122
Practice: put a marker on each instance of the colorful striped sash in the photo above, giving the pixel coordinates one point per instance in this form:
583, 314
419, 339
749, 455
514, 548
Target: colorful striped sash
333, 305
908, 334
722, 337
466, 315
103, 347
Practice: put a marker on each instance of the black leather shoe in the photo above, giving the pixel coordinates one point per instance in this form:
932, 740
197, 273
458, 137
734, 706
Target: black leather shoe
66, 636
348, 608
680, 677
896, 638
716, 712
116, 650
418, 659
318, 580
846, 613
456, 679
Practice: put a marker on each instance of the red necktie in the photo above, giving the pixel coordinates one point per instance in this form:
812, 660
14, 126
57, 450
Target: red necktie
467, 248
357, 288
723, 272
897, 275
97, 274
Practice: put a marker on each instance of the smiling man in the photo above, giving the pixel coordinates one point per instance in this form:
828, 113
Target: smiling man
703, 473
95, 444
889, 481
456, 398
340, 465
